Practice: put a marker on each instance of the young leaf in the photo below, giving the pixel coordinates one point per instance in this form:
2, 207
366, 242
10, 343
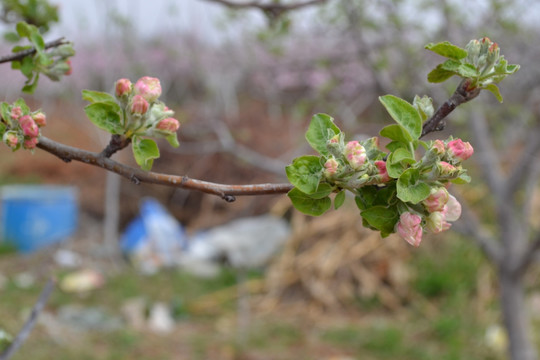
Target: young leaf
339, 199
462, 179
494, 89
397, 133
4, 111
410, 188
23, 29
22, 104
97, 97
306, 204
365, 197
144, 151
105, 116
323, 190
467, 71
173, 140
317, 134
305, 173
447, 50
397, 162
404, 114
37, 40
439, 74
381, 217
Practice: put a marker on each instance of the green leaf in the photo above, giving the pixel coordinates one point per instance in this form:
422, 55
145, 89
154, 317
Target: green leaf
365, 197
410, 188
19, 48
105, 116
4, 110
397, 133
144, 151
467, 71
98, 97
321, 129
439, 75
494, 89
397, 162
462, 179
323, 190
372, 148
173, 140
37, 40
30, 88
23, 29
339, 199
403, 113
306, 204
451, 65
22, 104
27, 66
381, 217
305, 173
394, 145
448, 50
11, 36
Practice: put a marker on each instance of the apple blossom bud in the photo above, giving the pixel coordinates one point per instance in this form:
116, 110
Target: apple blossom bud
452, 209
436, 222
122, 88
69, 69
355, 154
334, 139
446, 169
16, 112
148, 87
438, 147
139, 105
11, 139
409, 228
30, 143
436, 200
168, 125
40, 119
330, 167
28, 126
383, 173
460, 150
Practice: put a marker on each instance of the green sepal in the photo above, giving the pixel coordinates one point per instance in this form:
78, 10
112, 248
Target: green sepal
173, 140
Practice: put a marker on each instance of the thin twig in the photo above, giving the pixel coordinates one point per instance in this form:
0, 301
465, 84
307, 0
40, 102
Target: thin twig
22, 54
30, 322
226, 192
269, 7
462, 95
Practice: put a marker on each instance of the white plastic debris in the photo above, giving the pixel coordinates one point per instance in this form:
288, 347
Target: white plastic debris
160, 320
67, 258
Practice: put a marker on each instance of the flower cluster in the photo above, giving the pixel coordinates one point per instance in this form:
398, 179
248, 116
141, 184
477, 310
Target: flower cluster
20, 127
438, 210
144, 113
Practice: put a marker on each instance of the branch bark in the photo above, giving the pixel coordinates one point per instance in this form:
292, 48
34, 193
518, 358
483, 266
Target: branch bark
462, 95
226, 192
30, 322
22, 54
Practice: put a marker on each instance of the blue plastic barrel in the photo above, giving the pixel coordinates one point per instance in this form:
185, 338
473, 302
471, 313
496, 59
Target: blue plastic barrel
34, 216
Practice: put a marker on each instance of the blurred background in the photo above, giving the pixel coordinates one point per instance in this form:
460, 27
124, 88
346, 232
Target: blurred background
244, 87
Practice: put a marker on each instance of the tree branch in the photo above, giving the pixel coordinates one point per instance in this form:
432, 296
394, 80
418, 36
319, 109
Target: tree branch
268, 7
462, 95
30, 322
226, 192
22, 54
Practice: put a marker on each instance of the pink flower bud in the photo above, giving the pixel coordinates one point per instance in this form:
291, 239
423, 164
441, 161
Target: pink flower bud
11, 139
148, 87
16, 112
460, 150
446, 169
30, 143
436, 200
169, 125
28, 126
70, 68
139, 105
452, 209
330, 167
383, 173
438, 147
409, 228
40, 119
122, 88
436, 222
334, 139
355, 154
